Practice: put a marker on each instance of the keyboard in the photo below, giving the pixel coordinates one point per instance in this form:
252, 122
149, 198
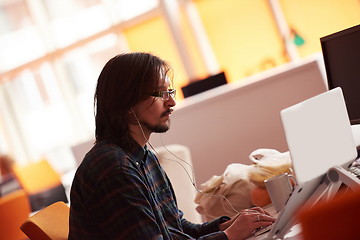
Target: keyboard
262, 230
355, 168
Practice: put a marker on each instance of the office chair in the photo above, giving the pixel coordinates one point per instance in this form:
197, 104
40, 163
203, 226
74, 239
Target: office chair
14, 210
50, 223
170, 156
334, 219
41, 183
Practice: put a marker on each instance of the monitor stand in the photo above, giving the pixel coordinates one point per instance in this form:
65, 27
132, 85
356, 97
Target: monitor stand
321, 188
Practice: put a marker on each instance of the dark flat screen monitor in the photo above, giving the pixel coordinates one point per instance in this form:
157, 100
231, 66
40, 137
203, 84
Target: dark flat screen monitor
204, 84
341, 52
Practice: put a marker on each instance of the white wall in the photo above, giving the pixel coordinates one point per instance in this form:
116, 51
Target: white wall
224, 125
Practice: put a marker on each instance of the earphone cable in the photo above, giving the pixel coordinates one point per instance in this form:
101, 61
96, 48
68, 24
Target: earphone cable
192, 179
192, 176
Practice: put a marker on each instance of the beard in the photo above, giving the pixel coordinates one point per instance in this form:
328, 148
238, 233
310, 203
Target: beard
159, 128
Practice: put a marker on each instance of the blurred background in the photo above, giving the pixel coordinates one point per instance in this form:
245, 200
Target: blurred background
52, 51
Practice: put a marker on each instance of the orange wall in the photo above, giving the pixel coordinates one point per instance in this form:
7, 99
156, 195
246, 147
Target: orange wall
154, 36
243, 34
316, 19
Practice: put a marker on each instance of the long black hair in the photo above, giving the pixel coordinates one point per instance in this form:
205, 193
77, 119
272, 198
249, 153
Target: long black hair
125, 80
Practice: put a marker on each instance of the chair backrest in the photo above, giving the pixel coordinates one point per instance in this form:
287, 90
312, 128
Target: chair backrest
42, 184
332, 220
14, 210
37, 176
50, 223
170, 158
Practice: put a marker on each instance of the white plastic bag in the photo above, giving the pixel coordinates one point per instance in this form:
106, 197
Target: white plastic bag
268, 163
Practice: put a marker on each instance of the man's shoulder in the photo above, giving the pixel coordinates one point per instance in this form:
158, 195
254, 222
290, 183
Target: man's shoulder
104, 155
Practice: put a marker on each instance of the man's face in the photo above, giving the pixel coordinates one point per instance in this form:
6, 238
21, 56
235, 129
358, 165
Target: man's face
154, 113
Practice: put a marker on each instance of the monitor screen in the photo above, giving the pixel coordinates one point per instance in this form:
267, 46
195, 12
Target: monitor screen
341, 52
204, 84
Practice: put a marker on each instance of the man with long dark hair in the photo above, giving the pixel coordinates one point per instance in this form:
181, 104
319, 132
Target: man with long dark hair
120, 190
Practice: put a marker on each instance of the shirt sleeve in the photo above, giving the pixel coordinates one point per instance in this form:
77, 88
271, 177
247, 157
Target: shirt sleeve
205, 231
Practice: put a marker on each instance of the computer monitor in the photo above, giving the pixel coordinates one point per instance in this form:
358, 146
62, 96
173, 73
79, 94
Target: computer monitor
322, 148
202, 85
341, 51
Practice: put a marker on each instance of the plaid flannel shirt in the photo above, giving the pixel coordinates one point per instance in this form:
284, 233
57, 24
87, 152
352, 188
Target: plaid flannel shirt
119, 196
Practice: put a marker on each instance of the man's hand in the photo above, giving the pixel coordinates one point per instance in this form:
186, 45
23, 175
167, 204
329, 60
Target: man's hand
245, 223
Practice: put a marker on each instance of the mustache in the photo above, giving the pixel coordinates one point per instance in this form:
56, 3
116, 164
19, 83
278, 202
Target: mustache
170, 110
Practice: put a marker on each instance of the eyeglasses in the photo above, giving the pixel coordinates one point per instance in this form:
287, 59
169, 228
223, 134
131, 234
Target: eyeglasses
165, 95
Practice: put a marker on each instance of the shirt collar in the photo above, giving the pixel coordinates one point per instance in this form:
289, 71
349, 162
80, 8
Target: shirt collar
140, 153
